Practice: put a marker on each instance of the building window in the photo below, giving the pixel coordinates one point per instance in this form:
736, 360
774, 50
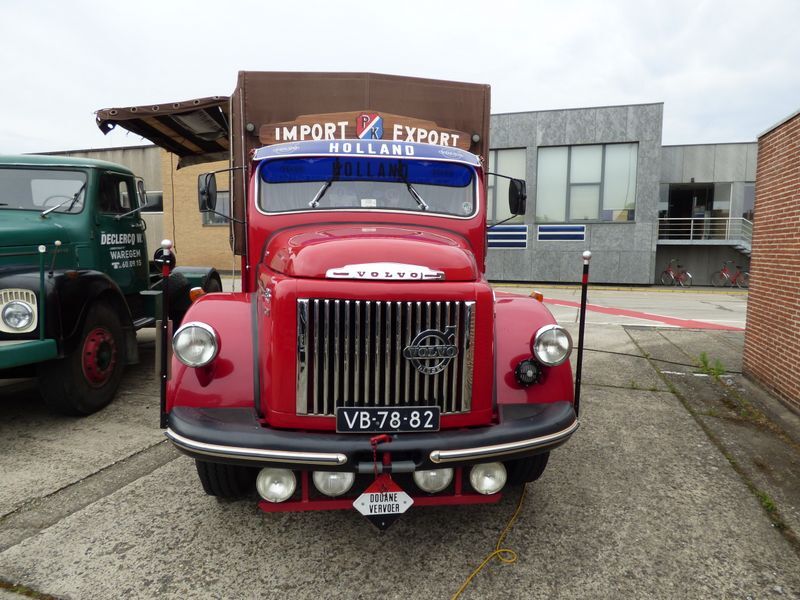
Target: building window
155, 202
749, 200
512, 164
223, 210
586, 183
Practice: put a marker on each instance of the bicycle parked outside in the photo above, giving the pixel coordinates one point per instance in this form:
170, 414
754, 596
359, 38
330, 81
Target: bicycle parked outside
725, 277
676, 276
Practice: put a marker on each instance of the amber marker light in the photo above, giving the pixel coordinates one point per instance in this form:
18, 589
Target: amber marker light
538, 296
195, 293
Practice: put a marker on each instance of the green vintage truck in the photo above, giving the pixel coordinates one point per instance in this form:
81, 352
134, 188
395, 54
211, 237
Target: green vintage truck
76, 279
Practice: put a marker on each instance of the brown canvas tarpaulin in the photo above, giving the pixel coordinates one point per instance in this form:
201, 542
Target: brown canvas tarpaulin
197, 131
220, 128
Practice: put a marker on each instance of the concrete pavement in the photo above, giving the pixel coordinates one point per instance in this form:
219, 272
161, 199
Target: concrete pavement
653, 497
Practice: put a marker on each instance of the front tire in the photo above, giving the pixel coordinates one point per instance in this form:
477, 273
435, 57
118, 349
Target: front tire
718, 279
526, 470
225, 481
87, 379
213, 285
667, 278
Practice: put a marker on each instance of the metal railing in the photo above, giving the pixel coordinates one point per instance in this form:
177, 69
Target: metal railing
732, 229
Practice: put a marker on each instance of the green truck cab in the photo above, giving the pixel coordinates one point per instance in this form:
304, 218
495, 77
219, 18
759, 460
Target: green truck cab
76, 279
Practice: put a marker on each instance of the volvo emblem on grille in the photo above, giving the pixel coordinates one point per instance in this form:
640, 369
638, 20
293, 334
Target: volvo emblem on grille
432, 350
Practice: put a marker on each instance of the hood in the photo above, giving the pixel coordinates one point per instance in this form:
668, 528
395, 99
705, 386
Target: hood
371, 252
27, 228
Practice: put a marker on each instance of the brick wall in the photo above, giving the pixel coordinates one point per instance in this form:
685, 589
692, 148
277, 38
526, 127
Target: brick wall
195, 244
772, 339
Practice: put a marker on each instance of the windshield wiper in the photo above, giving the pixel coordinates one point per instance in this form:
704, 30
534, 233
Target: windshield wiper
72, 202
415, 194
320, 194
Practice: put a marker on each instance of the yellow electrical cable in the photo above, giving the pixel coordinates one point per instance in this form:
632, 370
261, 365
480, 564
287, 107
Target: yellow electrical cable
505, 555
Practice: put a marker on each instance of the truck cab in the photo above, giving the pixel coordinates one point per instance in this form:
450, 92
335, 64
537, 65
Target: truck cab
75, 277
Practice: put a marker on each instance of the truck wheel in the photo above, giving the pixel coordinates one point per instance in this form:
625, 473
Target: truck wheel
179, 300
87, 379
526, 470
213, 285
225, 481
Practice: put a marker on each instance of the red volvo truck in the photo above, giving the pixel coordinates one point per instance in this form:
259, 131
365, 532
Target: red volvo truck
366, 361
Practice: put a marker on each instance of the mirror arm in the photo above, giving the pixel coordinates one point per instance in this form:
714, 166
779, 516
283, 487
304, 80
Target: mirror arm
130, 212
213, 212
499, 175
501, 222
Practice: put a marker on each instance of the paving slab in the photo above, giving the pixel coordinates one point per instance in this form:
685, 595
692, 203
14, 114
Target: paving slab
725, 347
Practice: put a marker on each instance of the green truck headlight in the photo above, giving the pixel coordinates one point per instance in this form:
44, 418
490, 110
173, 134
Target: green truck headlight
17, 315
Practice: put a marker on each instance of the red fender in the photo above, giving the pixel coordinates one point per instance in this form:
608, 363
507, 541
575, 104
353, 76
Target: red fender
517, 318
228, 380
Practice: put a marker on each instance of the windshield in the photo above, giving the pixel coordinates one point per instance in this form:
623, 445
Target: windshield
326, 183
40, 189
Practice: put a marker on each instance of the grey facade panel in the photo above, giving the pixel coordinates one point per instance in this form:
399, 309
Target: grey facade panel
730, 162
698, 164
613, 236
672, 164
551, 128
612, 123
647, 180
644, 123
750, 165
581, 127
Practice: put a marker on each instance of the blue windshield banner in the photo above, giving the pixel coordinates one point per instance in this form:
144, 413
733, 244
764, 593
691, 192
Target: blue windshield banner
376, 148
352, 168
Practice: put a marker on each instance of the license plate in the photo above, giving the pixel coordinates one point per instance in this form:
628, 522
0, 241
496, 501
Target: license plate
401, 419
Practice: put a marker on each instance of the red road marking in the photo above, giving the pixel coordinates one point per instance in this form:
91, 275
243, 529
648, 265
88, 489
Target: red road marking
622, 312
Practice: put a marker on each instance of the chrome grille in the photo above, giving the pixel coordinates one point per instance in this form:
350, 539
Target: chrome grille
350, 353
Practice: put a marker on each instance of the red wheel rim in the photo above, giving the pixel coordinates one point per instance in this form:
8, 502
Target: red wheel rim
99, 356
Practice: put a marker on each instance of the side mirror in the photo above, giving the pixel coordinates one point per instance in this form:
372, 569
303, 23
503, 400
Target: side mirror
207, 192
517, 196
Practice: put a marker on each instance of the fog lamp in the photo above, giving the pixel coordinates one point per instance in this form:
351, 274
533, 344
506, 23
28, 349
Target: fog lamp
17, 314
434, 480
195, 344
275, 485
333, 483
488, 478
527, 372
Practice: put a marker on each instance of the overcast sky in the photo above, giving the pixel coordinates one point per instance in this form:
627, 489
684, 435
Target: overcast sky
724, 70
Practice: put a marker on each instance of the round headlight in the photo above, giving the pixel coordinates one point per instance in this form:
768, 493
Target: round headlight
434, 480
195, 344
17, 314
488, 478
275, 485
552, 345
333, 483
